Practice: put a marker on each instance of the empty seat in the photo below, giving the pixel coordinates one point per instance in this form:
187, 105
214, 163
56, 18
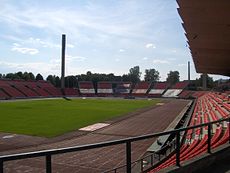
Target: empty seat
141, 89
86, 88
104, 89
158, 89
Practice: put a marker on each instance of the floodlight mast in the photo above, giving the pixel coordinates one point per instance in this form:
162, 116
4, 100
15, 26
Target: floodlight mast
63, 62
189, 71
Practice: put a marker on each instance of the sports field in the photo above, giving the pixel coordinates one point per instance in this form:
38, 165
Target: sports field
49, 118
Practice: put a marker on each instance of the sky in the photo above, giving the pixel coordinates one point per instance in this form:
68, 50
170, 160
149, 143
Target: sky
103, 36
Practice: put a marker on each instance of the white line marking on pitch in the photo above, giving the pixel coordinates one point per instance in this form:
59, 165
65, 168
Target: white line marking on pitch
94, 127
8, 136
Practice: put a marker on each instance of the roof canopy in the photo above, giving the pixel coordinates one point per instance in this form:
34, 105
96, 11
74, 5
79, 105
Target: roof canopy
207, 27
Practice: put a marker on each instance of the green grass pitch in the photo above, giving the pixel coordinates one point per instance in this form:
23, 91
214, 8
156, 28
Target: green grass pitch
49, 118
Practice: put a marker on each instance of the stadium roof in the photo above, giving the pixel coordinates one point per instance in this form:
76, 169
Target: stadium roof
207, 27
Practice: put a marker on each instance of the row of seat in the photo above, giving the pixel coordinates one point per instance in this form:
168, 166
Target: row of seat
209, 107
126, 88
188, 93
24, 89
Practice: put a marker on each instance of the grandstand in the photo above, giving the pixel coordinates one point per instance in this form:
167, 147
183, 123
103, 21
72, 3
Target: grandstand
32, 89
9, 89
21, 86
158, 89
140, 89
185, 94
209, 107
176, 89
71, 92
40, 91
86, 88
3, 95
104, 89
49, 88
12, 89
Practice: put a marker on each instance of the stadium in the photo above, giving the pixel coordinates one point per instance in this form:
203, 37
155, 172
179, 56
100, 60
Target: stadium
121, 126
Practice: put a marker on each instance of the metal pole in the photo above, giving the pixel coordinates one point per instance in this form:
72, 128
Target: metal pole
48, 164
128, 157
178, 149
204, 80
63, 62
1, 166
189, 72
152, 160
229, 129
209, 138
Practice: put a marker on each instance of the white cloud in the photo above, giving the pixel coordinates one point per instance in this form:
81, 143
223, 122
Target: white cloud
158, 61
70, 45
39, 42
150, 45
171, 59
182, 65
121, 50
117, 59
70, 58
45, 43
145, 58
24, 50
16, 45
78, 20
55, 61
35, 67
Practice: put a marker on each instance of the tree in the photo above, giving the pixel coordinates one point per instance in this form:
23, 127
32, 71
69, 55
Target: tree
26, 76
134, 74
19, 75
39, 77
10, 76
126, 78
51, 79
173, 77
31, 76
210, 82
70, 81
151, 75
57, 81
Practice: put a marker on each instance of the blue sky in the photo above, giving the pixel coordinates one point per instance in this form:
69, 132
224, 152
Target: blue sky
103, 36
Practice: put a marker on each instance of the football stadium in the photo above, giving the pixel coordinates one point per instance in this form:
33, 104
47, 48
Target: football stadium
124, 126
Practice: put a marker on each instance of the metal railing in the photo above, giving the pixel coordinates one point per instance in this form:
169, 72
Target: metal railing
128, 141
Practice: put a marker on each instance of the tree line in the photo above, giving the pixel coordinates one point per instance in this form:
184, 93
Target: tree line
134, 76
21, 76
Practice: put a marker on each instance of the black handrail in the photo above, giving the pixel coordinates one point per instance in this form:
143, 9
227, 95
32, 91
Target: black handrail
48, 153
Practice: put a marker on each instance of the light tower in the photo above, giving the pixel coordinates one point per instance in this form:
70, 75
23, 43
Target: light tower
63, 62
189, 71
